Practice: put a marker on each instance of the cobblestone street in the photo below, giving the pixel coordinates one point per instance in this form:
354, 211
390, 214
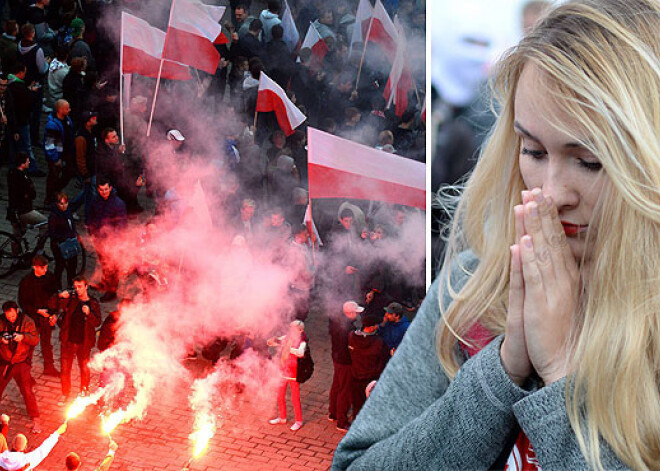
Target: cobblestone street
244, 440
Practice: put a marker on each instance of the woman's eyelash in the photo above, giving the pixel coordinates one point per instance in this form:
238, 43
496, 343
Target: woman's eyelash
595, 166
533, 153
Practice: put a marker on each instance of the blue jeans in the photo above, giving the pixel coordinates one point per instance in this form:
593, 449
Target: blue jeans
84, 198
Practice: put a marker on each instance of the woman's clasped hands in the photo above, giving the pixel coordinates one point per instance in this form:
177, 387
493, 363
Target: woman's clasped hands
543, 292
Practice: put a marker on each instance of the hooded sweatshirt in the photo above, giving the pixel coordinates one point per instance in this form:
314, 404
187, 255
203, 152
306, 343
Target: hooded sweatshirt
269, 19
33, 56
369, 354
13, 460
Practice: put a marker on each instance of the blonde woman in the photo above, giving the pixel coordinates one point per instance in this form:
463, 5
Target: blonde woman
539, 345
293, 347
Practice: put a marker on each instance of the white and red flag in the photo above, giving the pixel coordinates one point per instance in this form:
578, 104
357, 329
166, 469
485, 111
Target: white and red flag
362, 20
339, 168
271, 97
192, 30
142, 46
400, 80
308, 221
291, 36
318, 46
382, 30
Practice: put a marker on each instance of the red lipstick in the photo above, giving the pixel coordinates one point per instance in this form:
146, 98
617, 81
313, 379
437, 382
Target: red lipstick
572, 230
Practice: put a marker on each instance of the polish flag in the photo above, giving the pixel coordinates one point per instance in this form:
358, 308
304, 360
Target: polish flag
308, 221
339, 168
192, 30
271, 97
362, 19
291, 36
382, 31
400, 80
318, 46
142, 46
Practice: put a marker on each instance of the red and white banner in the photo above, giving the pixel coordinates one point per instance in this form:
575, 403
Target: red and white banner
291, 36
308, 221
382, 30
400, 80
318, 46
339, 168
361, 26
192, 30
142, 49
271, 97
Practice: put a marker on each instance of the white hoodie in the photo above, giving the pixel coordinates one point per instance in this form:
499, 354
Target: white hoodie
13, 460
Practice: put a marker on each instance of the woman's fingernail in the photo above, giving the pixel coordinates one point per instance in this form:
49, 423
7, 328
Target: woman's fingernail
527, 242
534, 209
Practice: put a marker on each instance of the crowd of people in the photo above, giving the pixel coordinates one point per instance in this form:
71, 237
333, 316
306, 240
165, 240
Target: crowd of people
59, 61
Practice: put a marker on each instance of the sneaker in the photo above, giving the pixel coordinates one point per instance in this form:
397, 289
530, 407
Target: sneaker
108, 296
332, 418
296, 426
278, 421
63, 400
35, 426
343, 428
84, 392
51, 371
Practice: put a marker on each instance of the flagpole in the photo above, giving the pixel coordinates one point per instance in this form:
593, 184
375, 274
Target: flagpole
160, 71
364, 50
121, 82
312, 236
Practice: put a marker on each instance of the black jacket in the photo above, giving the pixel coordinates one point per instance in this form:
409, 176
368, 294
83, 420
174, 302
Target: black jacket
369, 354
340, 328
21, 191
21, 101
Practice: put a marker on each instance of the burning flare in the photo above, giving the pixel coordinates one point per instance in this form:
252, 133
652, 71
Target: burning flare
110, 422
203, 434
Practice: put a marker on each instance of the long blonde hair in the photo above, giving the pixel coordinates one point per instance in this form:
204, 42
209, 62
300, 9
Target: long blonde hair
600, 62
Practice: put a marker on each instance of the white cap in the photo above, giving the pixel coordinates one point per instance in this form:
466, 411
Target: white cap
352, 306
175, 135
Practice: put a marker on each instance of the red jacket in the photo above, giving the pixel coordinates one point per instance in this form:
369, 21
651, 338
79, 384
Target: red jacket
25, 326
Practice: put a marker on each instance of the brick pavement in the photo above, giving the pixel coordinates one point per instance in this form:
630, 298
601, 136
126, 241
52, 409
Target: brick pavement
244, 439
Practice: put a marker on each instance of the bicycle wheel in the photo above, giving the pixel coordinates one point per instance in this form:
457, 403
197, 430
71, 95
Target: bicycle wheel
11, 253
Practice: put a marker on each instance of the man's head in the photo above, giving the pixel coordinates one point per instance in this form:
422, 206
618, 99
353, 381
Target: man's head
276, 217
241, 13
255, 27
247, 209
20, 442
72, 461
394, 312
104, 187
77, 27
277, 32
80, 285
351, 309
346, 219
176, 138
278, 138
89, 119
11, 27
62, 108
10, 309
301, 235
39, 265
22, 160
274, 6
27, 31
20, 69
110, 137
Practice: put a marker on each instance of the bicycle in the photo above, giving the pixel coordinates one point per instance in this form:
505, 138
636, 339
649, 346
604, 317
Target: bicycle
17, 254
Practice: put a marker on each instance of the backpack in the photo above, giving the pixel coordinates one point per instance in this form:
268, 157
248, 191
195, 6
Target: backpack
305, 366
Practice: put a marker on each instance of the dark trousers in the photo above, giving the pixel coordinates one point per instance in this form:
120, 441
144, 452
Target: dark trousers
358, 394
58, 178
20, 372
45, 333
110, 280
61, 264
340, 393
82, 353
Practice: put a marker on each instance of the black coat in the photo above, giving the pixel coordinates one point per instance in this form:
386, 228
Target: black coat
21, 191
